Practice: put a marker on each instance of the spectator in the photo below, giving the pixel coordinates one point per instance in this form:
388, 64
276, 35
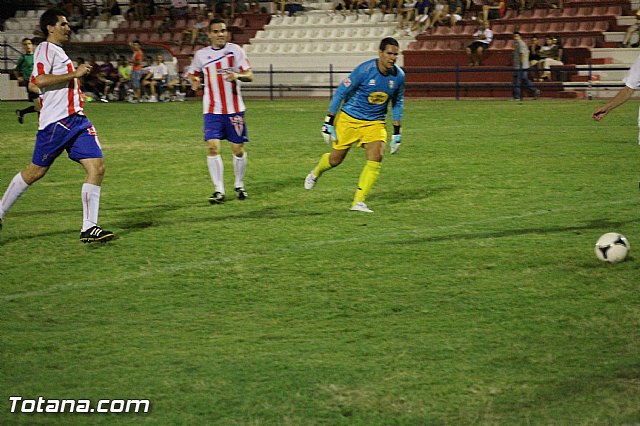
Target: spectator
197, 33
76, 19
633, 28
551, 55
108, 77
148, 87
110, 8
482, 39
534, 57
291, 7
439, 13
493, 9
159, 78
420, 16
454, 12
124, 77
22, 72
136, 70
185, 82
521, 66
172, 83
179, 9
98, 82
341, 5
167, 22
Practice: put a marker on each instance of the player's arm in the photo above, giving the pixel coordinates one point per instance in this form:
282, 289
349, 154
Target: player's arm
194, 79
244, 76
397, 110
45, 80
621, 97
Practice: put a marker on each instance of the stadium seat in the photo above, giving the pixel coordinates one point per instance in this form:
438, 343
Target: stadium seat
585, 11
601, 26
571, 27
587, 42
541, 28
509, 14
167, 37
555, 28
300, 20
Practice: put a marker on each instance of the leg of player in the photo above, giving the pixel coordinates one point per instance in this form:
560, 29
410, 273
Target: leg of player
90, 231
20, 183
216, 171
369, 175
239, 169
327, 161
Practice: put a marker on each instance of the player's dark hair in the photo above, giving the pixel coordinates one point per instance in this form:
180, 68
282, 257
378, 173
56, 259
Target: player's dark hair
50, 17
388, 41
26, 39
216, 21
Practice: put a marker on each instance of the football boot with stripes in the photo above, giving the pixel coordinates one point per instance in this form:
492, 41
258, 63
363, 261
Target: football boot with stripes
95, 233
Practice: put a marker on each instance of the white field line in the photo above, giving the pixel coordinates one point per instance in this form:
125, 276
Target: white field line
173, 268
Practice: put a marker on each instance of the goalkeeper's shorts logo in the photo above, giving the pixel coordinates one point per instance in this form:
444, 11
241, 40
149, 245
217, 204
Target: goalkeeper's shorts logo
378, 98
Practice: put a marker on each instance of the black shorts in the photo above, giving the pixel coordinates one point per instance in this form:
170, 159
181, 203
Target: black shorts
474, 46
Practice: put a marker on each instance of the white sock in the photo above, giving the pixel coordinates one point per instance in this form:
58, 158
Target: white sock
90, 205
239, 167
216, 170
16, 187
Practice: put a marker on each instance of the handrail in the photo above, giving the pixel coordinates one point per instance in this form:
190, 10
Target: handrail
457, 85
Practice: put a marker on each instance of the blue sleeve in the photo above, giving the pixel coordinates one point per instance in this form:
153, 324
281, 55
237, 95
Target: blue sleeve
397, 103
347, 86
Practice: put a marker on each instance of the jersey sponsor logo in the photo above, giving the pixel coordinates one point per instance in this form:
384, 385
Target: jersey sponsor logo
372, 82
378, 98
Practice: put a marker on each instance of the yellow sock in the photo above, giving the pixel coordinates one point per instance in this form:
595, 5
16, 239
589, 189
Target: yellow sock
323, 165
368, 177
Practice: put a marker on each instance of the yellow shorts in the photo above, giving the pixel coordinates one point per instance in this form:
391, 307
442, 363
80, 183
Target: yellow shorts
351, 130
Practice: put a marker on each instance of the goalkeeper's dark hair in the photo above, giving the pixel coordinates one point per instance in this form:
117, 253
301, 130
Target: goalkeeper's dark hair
50, 17
388, 41
217, 21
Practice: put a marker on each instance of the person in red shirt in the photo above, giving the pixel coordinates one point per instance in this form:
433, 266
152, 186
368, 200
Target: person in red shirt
136, 69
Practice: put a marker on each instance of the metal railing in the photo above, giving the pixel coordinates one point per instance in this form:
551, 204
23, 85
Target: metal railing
452, 79
7, 63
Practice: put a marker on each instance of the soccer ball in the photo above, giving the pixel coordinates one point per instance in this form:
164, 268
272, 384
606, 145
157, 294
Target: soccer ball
612, 247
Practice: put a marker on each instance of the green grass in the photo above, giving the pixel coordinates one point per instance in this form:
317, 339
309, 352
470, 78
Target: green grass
471, 296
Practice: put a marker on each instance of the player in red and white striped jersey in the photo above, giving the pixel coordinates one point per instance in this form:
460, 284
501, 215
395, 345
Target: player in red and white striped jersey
62, 126
221, 68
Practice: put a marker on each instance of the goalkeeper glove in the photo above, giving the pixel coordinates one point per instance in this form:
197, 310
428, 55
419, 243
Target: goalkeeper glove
328, 131
396, 140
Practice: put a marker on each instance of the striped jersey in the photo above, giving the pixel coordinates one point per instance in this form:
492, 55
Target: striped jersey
61, 100
220, 96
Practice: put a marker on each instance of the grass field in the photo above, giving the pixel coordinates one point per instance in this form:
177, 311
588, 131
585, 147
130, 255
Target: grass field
471, 296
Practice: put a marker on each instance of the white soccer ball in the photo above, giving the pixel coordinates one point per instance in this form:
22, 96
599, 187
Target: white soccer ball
612, 247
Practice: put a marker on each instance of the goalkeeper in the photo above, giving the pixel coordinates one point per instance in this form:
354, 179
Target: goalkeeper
365, 96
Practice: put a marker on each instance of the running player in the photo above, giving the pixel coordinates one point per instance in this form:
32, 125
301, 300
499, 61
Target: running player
62, 126
365, 96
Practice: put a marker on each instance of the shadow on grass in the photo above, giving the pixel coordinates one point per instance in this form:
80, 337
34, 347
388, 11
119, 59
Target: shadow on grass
594, 224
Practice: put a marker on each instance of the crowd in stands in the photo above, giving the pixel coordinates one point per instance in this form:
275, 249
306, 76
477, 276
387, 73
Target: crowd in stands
108, 82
